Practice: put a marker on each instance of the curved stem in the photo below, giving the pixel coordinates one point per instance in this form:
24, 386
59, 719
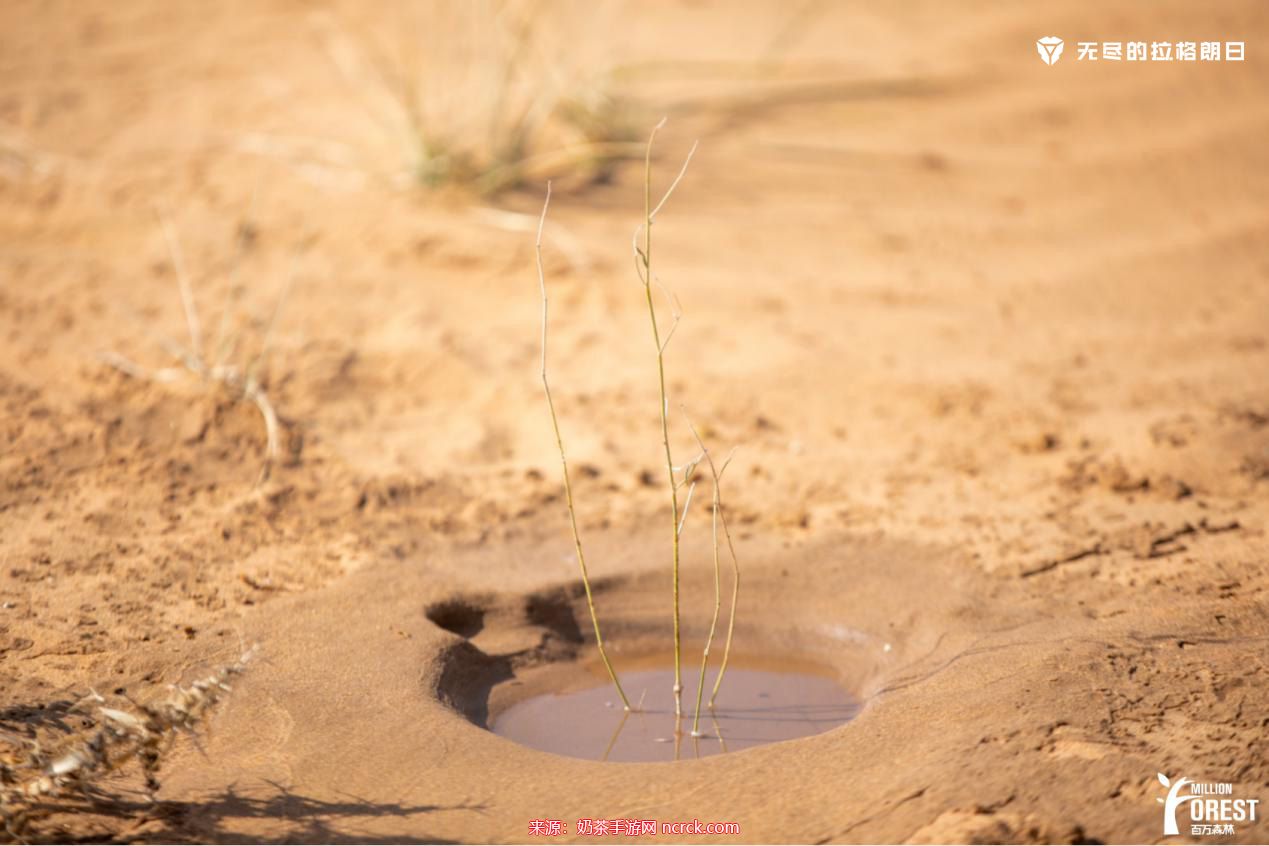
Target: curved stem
718, 584
735, 595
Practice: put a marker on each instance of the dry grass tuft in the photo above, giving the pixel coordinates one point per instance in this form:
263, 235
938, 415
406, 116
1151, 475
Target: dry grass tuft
41, 775
244, 382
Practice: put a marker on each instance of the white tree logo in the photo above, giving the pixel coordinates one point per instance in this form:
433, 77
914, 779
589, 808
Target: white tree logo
1173, 802
1050, 49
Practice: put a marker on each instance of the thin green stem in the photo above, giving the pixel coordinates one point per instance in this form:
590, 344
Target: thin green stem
735, 593
568, 486
718, 585
665, 410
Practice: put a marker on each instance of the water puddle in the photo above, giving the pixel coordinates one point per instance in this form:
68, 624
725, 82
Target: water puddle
760, 702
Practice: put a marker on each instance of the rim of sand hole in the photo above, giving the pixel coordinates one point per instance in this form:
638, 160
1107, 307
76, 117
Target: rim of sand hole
489, 671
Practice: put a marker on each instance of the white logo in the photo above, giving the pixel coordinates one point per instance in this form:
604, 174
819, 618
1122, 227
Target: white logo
1208, 813
1184, 52
1050, 49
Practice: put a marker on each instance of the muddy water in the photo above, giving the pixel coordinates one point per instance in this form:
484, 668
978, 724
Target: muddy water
754, 707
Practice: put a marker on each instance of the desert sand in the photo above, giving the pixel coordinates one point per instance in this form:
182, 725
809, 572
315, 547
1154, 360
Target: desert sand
991, 337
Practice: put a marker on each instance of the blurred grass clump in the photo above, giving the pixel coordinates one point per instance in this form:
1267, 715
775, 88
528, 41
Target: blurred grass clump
489, 94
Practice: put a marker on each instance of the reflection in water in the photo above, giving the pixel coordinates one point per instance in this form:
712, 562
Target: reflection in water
718, 732
754, 707
625, 715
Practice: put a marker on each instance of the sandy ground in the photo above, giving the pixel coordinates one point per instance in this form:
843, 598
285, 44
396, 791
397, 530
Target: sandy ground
992, 336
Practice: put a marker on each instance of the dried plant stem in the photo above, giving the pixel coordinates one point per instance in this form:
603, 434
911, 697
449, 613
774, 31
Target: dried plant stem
256, 395
568, 487
643, 264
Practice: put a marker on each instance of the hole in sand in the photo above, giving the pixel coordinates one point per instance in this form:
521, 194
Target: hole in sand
572, 709
462, 618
